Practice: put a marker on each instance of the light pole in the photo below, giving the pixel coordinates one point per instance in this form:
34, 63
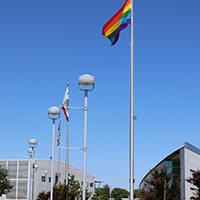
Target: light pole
45, 173
35, 181
53, 113
85, 80
31, 151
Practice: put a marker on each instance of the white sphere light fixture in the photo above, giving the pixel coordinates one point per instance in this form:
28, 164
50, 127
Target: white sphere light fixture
54, 111
32, 143
86, 80
30, 151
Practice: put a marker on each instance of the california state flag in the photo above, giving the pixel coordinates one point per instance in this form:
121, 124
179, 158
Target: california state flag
65, 104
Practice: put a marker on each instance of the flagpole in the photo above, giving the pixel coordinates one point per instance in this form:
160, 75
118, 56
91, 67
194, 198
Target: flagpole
67, 154
59, 157
59, 163
132, 180
67, 149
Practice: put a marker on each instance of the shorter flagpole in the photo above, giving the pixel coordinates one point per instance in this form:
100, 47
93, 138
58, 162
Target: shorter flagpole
59, 156
67, 142
58, 164
67, 154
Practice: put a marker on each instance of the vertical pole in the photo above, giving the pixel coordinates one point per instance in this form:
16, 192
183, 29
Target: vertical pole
85, 145
165, 186
52, 160
59, 156
31, 191
67, 145
132, 108
31, 166
35, 184
67, 154
59, 163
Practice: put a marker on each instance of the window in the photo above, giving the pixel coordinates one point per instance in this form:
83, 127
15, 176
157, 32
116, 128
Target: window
91, 184
43, 179
49, 179
81, 183
56, 177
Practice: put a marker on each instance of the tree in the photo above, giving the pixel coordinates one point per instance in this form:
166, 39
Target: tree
71, 191
137, 193
43, 196
119, 193
74, 188
106, 192
60, 191
195, 180
5, 186
102, 193
97, 194
155, 186
87, 193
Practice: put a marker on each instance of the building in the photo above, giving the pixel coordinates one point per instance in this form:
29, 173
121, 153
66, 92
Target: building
182, 162
19, 175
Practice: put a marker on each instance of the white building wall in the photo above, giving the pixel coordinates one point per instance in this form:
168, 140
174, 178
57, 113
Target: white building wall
18, 176
182, 172
45, 165
19, 173
192, 162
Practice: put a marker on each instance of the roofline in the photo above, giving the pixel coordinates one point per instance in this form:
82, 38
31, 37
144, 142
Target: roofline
192, 148
161, 162
14, 159
185, 145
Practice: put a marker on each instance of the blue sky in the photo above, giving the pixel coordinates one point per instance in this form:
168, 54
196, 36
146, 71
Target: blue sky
44, 44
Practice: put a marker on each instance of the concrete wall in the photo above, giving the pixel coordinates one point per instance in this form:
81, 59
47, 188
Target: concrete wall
192, 162
19, 174
45, 165
182, 173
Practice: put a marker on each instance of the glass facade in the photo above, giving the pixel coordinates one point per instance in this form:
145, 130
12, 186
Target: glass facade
12, 167
172, 164
18, 175
12, 194
23, 170
174, 167
22, 189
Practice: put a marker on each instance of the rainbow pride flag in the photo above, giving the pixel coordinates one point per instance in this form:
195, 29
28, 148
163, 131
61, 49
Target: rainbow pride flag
117, 23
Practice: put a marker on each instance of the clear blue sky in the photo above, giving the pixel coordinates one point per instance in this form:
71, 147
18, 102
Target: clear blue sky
46, 43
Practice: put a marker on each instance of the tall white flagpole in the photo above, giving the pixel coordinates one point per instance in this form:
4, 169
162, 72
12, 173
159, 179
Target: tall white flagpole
67, 153
132, 180
67, 149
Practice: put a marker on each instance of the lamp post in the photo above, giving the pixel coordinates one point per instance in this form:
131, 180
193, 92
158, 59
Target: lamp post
35, 181
85, 80
45, 173
31, 151
53, 113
